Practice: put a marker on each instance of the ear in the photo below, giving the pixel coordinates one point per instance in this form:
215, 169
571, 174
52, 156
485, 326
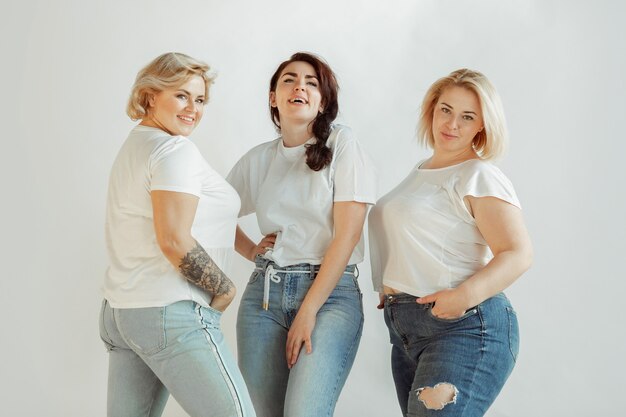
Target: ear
151, 97
273, 99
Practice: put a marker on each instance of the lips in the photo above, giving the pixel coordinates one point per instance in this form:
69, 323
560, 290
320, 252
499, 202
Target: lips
186, 119
448, 136
298, 100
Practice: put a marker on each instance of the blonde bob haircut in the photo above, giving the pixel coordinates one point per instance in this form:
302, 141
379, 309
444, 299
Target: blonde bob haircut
489, 143
170, 70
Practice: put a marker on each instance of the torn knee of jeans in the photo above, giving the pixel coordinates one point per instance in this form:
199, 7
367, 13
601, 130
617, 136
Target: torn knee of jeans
437, 397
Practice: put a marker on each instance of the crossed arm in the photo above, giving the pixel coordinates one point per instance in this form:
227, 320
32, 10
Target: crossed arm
173, 216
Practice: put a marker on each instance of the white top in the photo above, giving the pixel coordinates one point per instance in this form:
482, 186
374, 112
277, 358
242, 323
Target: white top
423, 238
139, 274
295, 202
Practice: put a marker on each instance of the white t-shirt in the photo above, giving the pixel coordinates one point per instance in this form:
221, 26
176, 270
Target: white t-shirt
423, 238
139, 274
295, 202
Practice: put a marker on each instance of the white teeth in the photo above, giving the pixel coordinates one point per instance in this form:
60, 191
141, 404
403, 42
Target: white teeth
187, 119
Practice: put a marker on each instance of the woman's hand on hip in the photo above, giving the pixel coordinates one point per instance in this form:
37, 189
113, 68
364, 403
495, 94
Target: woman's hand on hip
221, 302
299, 333
447, 304
267, 243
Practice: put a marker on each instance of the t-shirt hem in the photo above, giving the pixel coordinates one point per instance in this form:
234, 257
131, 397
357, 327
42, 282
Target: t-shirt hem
357, 198
176, 189
506, 199
407, 289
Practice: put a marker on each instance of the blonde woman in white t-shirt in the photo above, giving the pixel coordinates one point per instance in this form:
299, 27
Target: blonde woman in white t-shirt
444, 244
300, 319
170, 228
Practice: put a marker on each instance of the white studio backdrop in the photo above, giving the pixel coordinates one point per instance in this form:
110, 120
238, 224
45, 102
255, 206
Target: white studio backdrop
67, 68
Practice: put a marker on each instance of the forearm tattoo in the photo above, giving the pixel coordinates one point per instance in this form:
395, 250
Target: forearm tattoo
198, 267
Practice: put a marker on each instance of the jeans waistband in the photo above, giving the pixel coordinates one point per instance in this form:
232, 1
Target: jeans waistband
271, 271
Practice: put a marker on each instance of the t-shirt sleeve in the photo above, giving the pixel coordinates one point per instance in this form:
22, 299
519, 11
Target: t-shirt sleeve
239, 179
177, 166
354, 174
486, 180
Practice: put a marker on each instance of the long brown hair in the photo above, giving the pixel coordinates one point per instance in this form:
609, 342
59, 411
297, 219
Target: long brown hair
318, 155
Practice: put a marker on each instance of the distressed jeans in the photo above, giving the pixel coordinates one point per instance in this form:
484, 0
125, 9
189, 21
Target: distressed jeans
177, 349
472, 355
312, 386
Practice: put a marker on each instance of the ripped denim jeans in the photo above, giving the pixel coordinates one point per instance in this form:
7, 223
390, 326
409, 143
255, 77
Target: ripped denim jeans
450, 367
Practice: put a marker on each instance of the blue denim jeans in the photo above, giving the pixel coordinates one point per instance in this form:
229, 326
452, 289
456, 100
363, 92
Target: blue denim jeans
177, 349
311, 388
474, 353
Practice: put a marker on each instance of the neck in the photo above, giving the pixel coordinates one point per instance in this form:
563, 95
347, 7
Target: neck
446, 159
295, 134
152, 122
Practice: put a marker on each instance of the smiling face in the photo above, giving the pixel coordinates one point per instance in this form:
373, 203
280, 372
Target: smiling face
297, 95
457, 118
178, 110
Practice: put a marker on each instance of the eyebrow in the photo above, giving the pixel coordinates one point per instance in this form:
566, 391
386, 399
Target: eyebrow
189, 94
467, 111
293, 74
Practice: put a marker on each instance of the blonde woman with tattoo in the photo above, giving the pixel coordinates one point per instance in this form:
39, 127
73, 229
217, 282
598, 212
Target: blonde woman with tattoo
170, 229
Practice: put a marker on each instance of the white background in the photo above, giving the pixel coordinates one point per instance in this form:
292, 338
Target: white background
67, 68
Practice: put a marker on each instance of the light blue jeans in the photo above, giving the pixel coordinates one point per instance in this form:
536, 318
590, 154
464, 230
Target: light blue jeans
474, 353
177, 349
311, 388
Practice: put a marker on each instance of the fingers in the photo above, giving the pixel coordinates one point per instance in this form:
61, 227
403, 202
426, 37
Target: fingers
293, 350
381, 301
267, 243
427, 299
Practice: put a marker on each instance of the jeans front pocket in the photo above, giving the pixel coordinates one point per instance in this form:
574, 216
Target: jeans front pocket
471, 312
513, 332
143, 329
255, 276
210, 316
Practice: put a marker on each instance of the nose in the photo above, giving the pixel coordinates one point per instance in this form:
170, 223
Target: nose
452, 123
300, 85
191, 106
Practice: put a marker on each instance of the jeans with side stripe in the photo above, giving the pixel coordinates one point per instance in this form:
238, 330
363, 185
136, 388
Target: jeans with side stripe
177, 349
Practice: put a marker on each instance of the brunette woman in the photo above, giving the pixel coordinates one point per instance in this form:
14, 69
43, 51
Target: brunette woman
300, 318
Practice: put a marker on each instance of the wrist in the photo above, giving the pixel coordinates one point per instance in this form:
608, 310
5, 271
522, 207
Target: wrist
307, 308
469, 294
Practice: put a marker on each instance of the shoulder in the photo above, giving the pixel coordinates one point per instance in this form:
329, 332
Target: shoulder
478, 168
340, 136
260, 151
483, 179
166, 145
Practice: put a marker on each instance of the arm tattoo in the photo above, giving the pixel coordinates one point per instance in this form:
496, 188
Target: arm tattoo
198, 267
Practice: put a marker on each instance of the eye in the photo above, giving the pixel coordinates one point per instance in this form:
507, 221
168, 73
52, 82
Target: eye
288, 80
181, 97
312, 84
468, 117
445, 110
200, 100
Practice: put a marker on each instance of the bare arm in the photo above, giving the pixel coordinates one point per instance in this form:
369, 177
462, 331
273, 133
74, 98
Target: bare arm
502, 226
348, 217
173, 216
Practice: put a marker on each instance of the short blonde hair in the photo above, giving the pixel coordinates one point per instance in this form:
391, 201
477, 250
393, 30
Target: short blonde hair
170, 70
489, 143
